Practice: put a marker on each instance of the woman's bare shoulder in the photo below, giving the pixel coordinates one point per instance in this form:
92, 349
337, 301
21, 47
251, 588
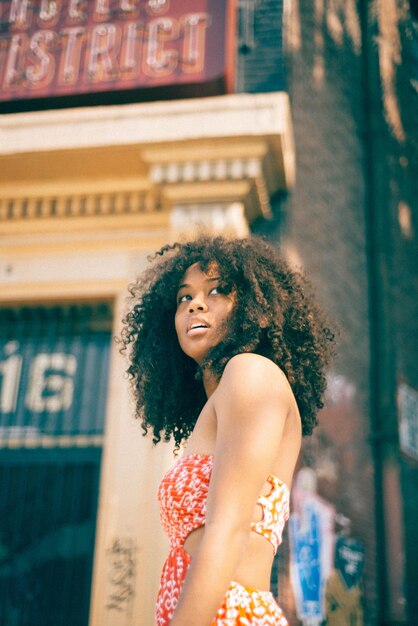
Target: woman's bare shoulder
252, 374
250, 364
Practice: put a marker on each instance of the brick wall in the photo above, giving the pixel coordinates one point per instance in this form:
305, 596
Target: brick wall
351, 223
325, 233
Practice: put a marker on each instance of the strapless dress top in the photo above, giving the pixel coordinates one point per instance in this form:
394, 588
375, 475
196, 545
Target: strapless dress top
182, 496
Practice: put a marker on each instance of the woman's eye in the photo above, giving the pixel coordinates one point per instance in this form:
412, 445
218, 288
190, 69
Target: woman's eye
187, 296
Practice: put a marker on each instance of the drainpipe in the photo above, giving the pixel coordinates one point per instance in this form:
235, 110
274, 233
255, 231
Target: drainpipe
383, 413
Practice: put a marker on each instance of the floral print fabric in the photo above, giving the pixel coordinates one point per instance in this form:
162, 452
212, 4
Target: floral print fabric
249, 607
182, 495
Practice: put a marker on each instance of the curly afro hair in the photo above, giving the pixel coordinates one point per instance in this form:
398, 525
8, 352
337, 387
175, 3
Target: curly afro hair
275, 315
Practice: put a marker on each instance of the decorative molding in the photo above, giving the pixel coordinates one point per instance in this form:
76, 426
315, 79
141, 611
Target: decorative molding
243, 172
205, 169
222, 151
92, 206
73, 205
68, 205
187, 219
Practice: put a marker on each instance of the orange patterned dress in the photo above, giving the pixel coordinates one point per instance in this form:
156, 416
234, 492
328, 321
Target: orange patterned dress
182, 496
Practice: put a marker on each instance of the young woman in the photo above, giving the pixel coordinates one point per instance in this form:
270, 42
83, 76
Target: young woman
228, 352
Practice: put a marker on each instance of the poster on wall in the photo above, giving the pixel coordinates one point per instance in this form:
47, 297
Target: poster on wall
59, 48
343, 596
311, 534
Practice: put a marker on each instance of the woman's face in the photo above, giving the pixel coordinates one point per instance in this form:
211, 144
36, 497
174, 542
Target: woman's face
202, 311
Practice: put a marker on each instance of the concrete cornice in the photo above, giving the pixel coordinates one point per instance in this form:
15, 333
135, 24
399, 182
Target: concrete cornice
236, 115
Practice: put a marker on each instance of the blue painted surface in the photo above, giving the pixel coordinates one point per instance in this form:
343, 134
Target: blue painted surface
53, 382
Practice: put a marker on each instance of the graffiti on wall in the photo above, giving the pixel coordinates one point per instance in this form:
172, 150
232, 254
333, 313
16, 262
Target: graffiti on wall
122, 573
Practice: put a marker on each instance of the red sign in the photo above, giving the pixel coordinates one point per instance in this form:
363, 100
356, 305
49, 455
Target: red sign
52, 48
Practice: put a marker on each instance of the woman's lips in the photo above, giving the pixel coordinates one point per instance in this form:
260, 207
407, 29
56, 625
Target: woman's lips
198, 330
197, 325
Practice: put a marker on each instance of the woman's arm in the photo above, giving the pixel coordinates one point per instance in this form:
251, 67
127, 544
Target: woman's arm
251, 404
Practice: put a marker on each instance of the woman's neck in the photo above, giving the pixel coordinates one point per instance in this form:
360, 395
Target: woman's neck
210, 382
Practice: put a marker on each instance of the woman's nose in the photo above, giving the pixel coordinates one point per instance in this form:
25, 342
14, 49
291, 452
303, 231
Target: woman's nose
197, 304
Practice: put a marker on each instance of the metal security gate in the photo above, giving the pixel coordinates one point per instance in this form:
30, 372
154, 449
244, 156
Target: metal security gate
53, 387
